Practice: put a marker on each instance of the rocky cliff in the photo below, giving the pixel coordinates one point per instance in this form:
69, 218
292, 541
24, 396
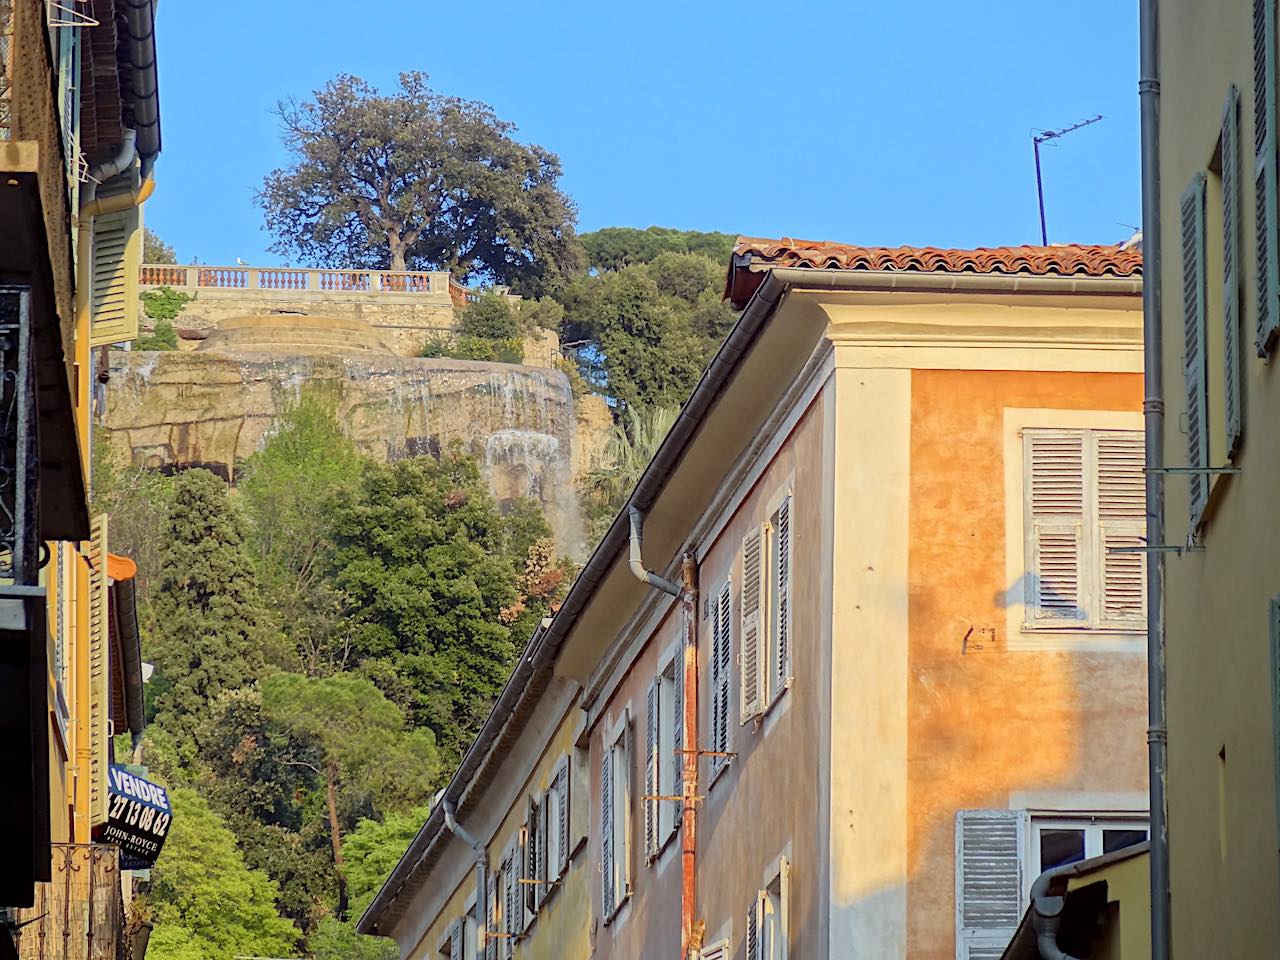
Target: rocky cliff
214, 407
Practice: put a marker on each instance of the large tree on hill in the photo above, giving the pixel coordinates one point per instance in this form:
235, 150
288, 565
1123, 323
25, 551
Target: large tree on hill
418, 180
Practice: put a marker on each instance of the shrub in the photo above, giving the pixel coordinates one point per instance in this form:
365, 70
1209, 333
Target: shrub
163, 303
163, 337
436, 347
473, 348
490, 316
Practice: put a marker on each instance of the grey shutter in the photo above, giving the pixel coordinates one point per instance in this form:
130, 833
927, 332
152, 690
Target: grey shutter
989, 855
455, 940
546, 870
726, 658
784, 595
606, 831
491, 921
1194, 364
651, 771
1122, 524
510, 900
677, 732
749, 662
753, 930
1264, 172
1055, 472
529, 863
627, 764
562, 788
717, 640
1231, 353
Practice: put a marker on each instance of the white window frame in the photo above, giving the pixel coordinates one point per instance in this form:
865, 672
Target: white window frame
768, 923
1013, 594
618, 745
1093, 825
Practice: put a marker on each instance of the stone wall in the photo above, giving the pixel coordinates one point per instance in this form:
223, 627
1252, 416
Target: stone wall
532, 438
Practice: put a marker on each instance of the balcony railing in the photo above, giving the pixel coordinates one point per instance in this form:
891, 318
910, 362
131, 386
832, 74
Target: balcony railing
6, 68
80, 915
194, 277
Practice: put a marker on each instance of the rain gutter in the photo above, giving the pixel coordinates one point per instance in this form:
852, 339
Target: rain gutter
547, 639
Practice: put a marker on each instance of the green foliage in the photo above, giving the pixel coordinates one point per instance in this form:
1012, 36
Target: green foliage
375, 847
634, 441
164, 303
163, 337
613, 248
490, 316
438, 183
436, 347
336, 940
285, 490
544, 314
204, 900
155, 250
137, 500
432, 589
211, 630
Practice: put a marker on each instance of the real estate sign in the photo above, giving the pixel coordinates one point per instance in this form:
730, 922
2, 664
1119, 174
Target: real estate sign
138, 818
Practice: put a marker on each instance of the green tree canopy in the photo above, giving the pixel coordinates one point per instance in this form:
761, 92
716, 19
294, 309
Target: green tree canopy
415, 179
632, 445
154, 249
365, 752
204, 900
613, 248
211, 630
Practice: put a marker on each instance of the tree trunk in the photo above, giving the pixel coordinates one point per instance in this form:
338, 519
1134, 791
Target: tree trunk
398, 249
335, 835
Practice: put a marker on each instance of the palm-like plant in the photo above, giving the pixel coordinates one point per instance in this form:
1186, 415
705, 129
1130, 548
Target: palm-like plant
635, 440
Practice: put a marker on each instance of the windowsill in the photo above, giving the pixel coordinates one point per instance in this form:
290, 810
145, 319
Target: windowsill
1077, 639
717, 771
614, 917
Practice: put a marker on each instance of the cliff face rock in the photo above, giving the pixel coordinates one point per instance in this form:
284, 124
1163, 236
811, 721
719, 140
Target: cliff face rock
214, 409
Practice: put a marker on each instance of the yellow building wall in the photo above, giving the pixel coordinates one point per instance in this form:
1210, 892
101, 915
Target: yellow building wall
1128, 931
1225, 874
558, 930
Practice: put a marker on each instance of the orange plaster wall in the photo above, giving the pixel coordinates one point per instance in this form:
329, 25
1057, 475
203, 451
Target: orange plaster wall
986, 723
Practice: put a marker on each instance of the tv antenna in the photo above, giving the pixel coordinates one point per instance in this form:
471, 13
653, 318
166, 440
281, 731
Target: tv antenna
1044, 136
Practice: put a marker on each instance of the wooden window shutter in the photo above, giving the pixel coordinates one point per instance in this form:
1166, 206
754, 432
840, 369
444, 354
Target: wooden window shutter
753, 927
1122, 524
606, 831
492, 922
1232, 354
455, 941
1264, 172
562, 788
1194, 357
627, 763
116, 256
99, 671
1055, 468
784, 595
530, 861
651, 772
717, 951
750, 665
989, 881
722, 657
676, 758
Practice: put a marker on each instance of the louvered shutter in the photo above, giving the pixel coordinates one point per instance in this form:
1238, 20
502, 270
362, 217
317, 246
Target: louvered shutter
606, 831
99, 671
651, 771
546, 869
989, 856
1231, 352
677, 734
717, 951
783, 661
713, 667
116, 258
755, 920
1196, 418
726, 658
529, 865
562, 789
1264, 172
624, 768
1122, 524
511, 898
750, 667
455, 941
492, 922
1055, 464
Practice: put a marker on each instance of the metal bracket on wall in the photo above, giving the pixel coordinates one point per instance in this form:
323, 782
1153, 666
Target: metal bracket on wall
1205, 470
1159, 548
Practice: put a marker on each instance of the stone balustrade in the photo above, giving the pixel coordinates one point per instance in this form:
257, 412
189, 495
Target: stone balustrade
190, 278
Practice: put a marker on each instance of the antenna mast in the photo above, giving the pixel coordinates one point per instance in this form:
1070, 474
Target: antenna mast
1045, 136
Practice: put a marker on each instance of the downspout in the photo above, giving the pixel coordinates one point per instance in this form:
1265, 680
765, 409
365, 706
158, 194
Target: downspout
1153, 419
688, 597
1046, 914
482, 866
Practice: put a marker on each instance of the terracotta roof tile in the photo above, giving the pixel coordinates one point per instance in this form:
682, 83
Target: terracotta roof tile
752, 255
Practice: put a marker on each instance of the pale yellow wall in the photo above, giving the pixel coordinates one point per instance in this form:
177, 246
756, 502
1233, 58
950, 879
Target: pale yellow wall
1128, 933
558, 931
1226, 898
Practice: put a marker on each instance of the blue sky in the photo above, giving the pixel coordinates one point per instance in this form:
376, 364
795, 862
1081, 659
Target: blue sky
875, 123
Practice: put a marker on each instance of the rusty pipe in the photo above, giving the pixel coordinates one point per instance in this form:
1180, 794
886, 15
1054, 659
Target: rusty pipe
689, 818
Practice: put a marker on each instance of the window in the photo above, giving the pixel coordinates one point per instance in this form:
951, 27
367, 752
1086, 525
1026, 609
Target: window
1232, 352
1000, 853
556, 806
615, 818
1195, 366
512, 903
664, 761
1084, 497
765, 656
1267, 266
533, 883
1059, 841
721, 647
767, 923
470, 934
450, 947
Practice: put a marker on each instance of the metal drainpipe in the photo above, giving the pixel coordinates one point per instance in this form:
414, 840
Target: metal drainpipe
688, 597
1153, 416
482, 867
